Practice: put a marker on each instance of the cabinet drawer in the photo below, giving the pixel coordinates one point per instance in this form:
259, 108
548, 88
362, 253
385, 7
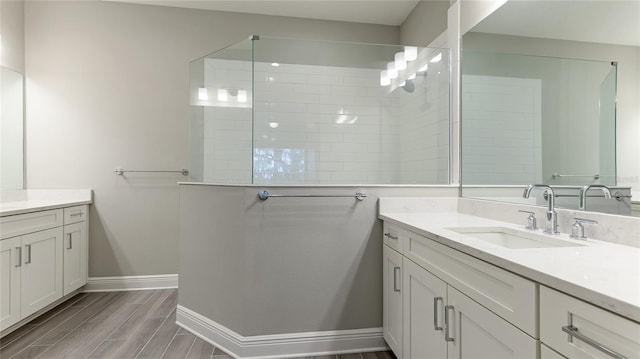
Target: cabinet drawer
508, 295
595, 328
75, 214
393, 236
11, 226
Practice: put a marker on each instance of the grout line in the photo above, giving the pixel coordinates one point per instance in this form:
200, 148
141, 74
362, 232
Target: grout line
172, 339
151, 337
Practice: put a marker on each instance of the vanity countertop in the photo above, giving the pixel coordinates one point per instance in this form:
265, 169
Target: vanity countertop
25, 201
602, 273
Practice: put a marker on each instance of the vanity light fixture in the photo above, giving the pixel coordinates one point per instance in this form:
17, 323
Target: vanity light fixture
410, 53
223, 95
203, 94
437, 58
384, 78
242, 95
399, 61
391, 70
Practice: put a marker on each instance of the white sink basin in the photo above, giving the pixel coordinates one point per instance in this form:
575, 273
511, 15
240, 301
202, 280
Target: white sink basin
513, 238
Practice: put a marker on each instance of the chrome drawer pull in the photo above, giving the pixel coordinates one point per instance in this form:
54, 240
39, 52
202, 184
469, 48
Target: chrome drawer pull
19, 249
75, 214
70, 241
447, 323
574, 333
435, 313
388, 235
28, 248
396, 285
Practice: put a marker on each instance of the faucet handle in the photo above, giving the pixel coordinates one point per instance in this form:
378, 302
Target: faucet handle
532, 222
577, 229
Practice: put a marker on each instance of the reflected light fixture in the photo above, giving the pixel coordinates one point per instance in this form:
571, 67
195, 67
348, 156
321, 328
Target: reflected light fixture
437, 58
412, 76
391, 70
203, 94
400, 63
242, 95
275, 64
423, 68
410, 53
384, 78
223, 95
274, 124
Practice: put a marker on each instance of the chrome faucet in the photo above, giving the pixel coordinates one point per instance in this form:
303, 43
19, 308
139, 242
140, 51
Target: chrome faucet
583, 194
551, 226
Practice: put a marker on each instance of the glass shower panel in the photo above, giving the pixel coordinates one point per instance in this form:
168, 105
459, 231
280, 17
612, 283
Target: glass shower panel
221, 115
324, 114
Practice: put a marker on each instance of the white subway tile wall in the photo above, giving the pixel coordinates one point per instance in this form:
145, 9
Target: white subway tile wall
323, 125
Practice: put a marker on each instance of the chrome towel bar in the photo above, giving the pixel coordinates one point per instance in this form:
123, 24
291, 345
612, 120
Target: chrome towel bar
263, 194
121, 171
557, 175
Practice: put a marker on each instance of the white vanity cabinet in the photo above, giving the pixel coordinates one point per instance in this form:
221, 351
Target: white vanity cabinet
577, 329
75, 249
392, 302
37, 265
456, 306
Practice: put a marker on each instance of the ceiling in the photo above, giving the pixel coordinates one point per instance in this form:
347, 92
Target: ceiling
608, 21
384, 12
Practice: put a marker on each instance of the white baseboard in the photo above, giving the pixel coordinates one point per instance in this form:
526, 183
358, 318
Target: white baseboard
125, 283
289, 345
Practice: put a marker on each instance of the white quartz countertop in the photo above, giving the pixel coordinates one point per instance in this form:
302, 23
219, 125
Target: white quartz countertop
602, 273
40, 200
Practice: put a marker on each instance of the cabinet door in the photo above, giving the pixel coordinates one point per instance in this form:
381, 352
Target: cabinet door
546, 353
475, 332
10, 281
424, 298
41, 276
392, 300
75, 257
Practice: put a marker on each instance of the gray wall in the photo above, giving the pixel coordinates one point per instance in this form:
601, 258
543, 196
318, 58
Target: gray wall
107, 86
425, 23
284, 265
12, 31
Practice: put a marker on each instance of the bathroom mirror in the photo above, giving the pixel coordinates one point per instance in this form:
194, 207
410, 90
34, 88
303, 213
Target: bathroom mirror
550, 95
11, 129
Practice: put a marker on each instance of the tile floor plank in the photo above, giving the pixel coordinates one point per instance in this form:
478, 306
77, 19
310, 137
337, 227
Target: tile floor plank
75, 321
200, 349
161, 339
139, 338
106, 350
168, 305
29, 352
136, 320
179, 347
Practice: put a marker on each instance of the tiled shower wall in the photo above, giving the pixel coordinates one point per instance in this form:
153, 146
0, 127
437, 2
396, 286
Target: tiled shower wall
323, 125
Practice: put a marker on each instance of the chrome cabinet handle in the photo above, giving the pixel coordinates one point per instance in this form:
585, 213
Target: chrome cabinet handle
19, 249
28, 248
75, 214
388, 235
447, 323
396, 285
435, 313
574, 333
70, 246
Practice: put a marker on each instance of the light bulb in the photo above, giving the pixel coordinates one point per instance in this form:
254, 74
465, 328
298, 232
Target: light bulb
410, 53
384, 78
400, 63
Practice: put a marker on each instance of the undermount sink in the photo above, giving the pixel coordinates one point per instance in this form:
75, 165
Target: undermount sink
513, 238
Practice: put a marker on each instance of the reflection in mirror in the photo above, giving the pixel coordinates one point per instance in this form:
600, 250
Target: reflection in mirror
547, 99
11, 129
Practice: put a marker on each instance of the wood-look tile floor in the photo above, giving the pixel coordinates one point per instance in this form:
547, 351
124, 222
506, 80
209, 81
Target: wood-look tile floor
136, 324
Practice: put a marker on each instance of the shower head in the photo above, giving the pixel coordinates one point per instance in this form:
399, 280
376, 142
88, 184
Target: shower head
409, 86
